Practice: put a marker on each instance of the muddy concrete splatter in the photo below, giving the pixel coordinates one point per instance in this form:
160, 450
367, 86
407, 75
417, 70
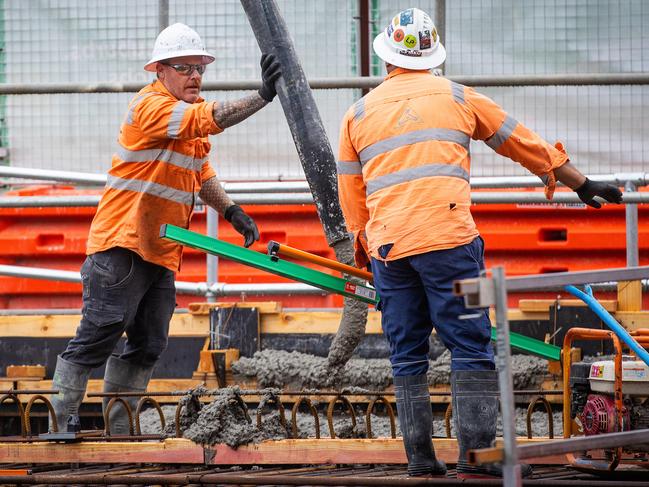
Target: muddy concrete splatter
226, 419
297, 371
354, 316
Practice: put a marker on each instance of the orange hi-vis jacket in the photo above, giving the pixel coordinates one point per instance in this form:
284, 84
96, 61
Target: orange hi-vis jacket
156, 175
404, 163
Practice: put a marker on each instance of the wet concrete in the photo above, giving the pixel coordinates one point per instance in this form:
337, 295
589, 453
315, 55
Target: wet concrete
271, 425
297, 371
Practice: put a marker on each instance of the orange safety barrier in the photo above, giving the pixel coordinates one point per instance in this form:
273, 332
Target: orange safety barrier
525, 239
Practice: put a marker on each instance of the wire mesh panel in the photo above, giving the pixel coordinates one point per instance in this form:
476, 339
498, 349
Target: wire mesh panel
47, 41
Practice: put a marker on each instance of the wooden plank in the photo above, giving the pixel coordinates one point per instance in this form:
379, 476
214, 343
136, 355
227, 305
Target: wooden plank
543, 305
632, 320
339, 451
328, 321
56, 326
173, 450
279, 452
629, 294
262, 306
23, 371
313, 322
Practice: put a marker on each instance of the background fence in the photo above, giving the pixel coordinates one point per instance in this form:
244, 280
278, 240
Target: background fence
45, 41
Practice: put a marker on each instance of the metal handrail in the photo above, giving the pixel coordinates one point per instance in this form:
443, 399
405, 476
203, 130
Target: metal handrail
182, 287
534, 198
618, 179
330, 83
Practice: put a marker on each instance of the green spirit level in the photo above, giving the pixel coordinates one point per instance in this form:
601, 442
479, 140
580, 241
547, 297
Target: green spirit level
326, 282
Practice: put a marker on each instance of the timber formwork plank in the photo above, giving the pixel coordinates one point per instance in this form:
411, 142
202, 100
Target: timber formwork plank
174, 450
279, 452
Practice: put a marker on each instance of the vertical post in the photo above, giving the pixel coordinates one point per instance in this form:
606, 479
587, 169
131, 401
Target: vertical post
631, 212
163, 14
212, 261
364, 41
511, 468
440, 24
629, 293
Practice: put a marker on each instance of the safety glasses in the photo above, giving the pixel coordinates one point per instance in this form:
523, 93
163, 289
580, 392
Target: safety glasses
187, 69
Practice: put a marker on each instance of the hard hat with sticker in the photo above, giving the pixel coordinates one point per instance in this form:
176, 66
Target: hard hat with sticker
177, 40
415, 44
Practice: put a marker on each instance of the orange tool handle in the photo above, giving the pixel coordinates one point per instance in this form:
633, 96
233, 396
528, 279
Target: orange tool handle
275, 249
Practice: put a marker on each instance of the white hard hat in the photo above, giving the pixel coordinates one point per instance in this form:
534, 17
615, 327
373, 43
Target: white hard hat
175, 41
410, 41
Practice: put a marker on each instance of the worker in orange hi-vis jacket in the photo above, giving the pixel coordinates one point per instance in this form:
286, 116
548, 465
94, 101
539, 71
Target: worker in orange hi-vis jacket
160, 168
403, 176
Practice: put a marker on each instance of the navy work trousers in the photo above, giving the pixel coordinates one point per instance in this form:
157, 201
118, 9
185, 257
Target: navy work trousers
416, 296
122, 293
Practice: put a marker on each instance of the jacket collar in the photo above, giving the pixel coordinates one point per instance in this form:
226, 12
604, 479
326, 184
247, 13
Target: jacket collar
398, 71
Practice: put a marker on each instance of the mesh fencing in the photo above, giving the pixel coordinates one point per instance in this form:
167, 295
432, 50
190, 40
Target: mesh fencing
47, 41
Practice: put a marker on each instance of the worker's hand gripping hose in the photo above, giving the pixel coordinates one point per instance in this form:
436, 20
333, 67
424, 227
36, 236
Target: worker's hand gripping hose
270, 73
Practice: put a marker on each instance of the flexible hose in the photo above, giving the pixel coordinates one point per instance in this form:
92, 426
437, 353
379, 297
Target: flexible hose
588, 298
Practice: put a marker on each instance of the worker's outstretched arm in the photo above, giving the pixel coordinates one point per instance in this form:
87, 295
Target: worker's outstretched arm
509, 138
230, 113
213, 194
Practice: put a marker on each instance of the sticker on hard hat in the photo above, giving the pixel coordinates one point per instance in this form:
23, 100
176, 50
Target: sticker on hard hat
389, 30
424, 39
410, 41
395, 20
398, 35
358, 290
406, 17
409, 52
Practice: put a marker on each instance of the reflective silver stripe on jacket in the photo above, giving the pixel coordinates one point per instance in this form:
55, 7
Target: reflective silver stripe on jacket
424, 135
502, 134
135, 103
359, 109
149, 187
458, 92
349, 167
173, 129
413, 173
163, 155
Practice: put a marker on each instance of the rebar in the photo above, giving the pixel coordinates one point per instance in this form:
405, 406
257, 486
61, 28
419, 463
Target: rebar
129, 413
368, 416
548, 409
330, 413
138, 410
21, 410
314, 413
28, 409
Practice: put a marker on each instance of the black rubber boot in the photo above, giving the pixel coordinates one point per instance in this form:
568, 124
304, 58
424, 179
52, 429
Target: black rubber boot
71, 381
475, 411
416, 421
123, 376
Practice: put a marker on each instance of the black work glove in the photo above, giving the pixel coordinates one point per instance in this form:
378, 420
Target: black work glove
243, 224
270, 73
590, 189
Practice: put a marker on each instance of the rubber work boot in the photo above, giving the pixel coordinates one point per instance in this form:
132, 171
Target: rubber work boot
123, 376
475, 411
70, 380
416, 421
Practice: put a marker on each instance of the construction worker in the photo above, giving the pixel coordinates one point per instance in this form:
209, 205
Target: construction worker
160, 168
403, 176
